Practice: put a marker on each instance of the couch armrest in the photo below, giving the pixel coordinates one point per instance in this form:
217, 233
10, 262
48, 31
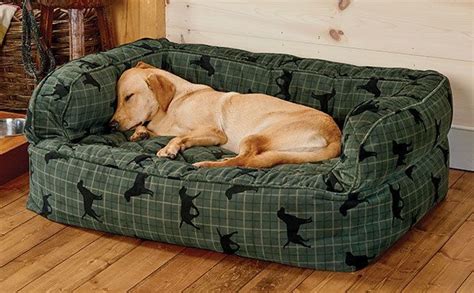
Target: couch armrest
390, 134
79, 98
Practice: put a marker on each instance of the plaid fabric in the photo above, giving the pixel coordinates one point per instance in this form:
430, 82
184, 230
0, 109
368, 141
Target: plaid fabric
334, 215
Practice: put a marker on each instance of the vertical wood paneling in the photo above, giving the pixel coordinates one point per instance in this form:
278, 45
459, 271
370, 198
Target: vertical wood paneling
136, 19
416, 34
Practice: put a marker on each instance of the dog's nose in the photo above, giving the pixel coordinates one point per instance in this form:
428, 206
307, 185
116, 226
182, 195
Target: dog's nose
113, 125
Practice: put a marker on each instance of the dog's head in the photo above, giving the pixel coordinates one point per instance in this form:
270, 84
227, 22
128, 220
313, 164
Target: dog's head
142, 92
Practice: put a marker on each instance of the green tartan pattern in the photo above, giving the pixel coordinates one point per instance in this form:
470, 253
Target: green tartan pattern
348, 210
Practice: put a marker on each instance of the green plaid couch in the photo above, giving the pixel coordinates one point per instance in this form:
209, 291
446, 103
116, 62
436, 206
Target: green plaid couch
336, 215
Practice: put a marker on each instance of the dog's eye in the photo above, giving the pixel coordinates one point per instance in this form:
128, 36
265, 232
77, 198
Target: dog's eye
128, 97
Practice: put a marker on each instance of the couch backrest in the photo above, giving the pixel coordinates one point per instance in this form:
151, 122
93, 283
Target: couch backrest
78, 98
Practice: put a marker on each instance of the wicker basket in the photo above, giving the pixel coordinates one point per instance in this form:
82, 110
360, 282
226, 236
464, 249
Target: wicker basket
16, 86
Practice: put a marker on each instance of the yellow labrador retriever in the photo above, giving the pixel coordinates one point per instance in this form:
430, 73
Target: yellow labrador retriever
263, 130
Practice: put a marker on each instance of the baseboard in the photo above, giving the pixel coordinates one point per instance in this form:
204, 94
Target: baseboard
461, 143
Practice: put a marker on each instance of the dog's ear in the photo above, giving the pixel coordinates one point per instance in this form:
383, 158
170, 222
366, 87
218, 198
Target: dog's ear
143, 65
163, 89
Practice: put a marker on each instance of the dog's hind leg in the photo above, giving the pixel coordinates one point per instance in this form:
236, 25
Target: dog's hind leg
260, 151
249, 147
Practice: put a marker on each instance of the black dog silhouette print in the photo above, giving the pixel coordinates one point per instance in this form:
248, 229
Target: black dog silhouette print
397, 202
283, 82
293, 224
351, 202
417, 116
401, 150
369, 106
357, 261
88, 198
54, 155
138, 187
324, 99
60, 90
140, 158
46, 209
205, 63
236, 189
228, 245
89, 80
364, 154
187, 205
371, 87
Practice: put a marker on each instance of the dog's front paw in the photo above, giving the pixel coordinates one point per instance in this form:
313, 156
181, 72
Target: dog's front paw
169, 151
140, 133
137, 136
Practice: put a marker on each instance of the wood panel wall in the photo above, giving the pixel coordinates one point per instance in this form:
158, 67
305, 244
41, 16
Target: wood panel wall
419, 34
136, 19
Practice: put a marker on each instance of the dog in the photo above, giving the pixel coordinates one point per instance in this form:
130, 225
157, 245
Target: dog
293, 224
229, 246
89, 198
251, 125
187, 205
138, 188
236, 189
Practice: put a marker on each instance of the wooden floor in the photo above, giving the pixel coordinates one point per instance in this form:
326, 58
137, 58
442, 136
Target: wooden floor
37, 255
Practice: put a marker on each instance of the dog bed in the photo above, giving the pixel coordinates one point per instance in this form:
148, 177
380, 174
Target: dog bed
337, 215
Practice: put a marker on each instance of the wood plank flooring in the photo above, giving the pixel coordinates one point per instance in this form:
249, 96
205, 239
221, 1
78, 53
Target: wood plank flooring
37, 255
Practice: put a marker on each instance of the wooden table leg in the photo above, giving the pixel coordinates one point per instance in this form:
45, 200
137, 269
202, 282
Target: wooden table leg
76, 33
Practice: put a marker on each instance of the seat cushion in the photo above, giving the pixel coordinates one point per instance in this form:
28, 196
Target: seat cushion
115, 151
278, 214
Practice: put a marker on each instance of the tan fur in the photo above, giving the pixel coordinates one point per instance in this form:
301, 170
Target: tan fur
263, 130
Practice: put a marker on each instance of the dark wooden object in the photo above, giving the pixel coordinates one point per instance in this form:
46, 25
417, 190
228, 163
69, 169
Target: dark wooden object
13, 153
76, 23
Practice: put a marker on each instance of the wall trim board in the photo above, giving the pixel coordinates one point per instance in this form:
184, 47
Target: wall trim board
442, 30
461, 144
